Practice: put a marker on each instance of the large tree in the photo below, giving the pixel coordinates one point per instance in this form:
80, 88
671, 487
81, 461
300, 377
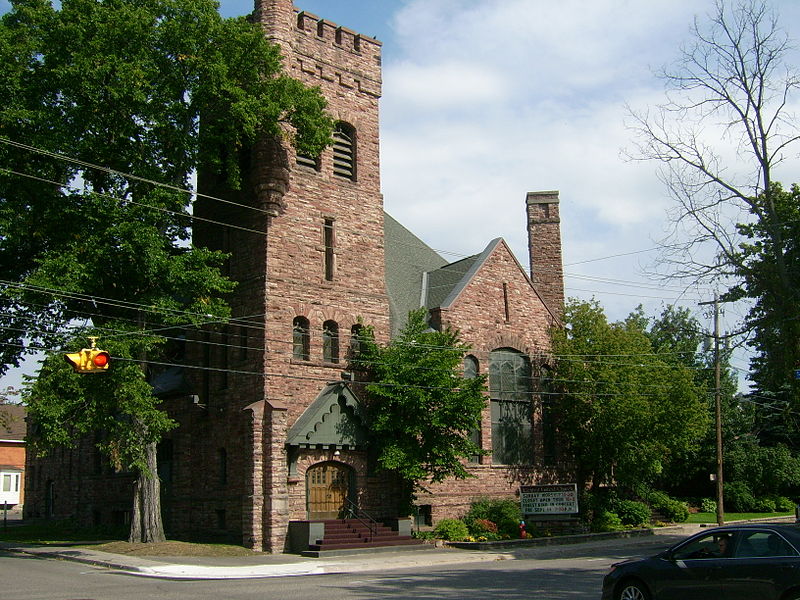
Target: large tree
677, 337
421, 409
627, 411
720, 137
100, 134
770, 279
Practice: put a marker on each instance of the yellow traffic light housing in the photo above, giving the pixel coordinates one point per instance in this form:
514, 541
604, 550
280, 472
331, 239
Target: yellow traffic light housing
89, 360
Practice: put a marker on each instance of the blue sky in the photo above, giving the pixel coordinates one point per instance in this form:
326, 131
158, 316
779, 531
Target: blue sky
486, 100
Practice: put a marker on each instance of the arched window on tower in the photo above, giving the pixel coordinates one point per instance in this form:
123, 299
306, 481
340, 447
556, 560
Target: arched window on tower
330, 342
356, 331
344, 151
301, 339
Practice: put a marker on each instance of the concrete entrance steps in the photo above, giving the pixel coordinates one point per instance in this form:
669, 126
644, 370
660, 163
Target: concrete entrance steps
352, 536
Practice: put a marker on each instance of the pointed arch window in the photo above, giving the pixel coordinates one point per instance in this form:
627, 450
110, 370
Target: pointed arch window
344, 151
301, 339
330, 342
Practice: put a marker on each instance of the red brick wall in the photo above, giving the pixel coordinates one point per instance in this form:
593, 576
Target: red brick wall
13, 455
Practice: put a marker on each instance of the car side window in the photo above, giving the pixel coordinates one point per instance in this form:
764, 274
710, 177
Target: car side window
712, 545
763, 544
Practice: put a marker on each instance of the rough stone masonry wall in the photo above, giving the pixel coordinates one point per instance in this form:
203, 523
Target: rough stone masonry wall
479, 314
346, 67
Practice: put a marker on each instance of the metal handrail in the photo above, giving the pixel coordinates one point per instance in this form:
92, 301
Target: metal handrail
362, 517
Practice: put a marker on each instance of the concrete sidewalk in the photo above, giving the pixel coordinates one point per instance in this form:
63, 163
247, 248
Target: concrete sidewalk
285, 565
258, 566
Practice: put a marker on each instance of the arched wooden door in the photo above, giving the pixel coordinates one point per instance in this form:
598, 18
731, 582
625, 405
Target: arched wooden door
327, 489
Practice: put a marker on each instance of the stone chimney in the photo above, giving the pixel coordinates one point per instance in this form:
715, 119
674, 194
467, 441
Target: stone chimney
544, 245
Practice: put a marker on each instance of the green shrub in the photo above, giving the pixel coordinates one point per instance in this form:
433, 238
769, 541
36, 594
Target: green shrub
783, 504
453, 530
672, 510
764, 505
606, 520
632, 512
739, 497
481, 527
707, 505
504, 513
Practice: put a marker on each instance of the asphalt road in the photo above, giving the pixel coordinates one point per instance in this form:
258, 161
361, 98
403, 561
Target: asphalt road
554, 573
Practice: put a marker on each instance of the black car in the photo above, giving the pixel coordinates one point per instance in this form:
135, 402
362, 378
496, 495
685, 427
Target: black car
736, 562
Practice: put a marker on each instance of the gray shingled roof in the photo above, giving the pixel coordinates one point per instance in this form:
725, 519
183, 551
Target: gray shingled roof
14, 417
407, 259
417, 276
445, 284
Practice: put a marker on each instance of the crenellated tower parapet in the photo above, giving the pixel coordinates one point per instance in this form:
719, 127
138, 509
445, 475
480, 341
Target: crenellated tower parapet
328, 52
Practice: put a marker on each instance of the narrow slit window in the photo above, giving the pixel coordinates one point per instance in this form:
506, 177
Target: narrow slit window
328, 241
506, 312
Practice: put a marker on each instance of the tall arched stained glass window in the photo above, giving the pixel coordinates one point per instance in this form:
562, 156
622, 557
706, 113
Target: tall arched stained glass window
510, 390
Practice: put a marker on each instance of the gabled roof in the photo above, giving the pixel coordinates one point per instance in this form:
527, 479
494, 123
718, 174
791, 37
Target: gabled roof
14, 417
445, 284
408, 258
332, 420
417, 276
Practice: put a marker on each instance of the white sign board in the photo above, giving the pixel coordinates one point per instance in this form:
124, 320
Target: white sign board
559, 499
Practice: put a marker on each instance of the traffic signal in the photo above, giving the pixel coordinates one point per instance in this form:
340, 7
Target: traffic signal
89, 360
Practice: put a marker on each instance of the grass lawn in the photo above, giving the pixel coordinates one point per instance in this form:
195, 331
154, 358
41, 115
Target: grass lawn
111, 540
702, 517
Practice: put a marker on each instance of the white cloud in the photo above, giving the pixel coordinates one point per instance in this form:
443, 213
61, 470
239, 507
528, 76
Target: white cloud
485, 100
450, 85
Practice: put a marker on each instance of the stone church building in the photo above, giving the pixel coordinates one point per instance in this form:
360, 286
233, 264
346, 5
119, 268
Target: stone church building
269, 428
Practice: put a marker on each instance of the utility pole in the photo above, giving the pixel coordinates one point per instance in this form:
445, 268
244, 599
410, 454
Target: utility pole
718, 410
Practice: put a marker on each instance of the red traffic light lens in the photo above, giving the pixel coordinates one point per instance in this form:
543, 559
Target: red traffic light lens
100, 359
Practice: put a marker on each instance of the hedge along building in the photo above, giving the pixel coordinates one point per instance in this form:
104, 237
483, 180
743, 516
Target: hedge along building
269, 428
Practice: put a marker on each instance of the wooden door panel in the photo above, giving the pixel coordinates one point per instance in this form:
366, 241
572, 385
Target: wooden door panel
328, 485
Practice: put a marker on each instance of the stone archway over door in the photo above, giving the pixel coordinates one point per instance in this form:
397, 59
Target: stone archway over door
327, 489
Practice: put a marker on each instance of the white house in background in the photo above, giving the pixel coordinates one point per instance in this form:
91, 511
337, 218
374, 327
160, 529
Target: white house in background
12, 455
